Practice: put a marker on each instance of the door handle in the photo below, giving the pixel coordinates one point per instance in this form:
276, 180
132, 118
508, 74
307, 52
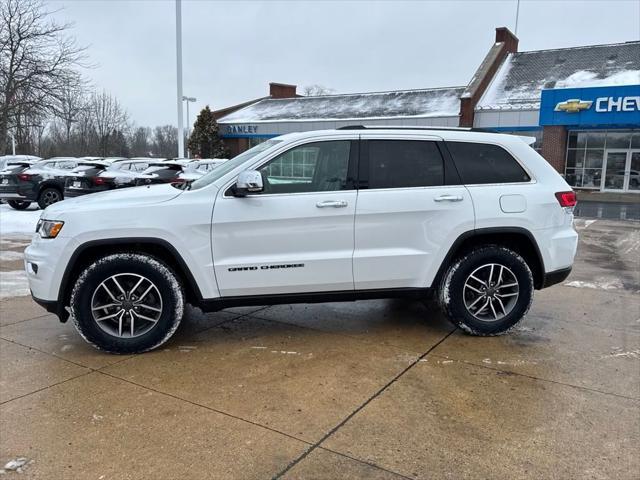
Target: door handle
448, 198
332, 203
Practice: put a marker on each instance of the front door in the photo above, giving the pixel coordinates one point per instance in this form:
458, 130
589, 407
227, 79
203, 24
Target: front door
621, 170
297, 235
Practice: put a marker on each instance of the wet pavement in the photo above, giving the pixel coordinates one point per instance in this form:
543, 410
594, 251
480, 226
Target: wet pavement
377, 389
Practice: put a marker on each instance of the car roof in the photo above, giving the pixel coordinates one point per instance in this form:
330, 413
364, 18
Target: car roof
450, 134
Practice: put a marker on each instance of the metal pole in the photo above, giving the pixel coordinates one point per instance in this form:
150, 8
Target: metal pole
188, 124
517, 15
179, 72
13, 144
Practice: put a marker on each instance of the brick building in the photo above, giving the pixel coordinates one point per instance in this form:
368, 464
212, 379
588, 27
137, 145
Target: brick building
582, 104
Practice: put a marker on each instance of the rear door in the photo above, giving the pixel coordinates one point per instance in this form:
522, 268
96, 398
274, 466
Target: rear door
297, 235
411, 208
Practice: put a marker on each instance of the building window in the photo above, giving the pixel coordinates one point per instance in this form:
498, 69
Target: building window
586, 154
253, 141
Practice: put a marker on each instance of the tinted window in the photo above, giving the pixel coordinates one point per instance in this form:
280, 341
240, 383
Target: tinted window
404, 163
313, 167
484, 163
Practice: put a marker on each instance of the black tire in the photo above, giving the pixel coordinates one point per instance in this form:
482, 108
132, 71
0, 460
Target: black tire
49, 196
88, 287
456, 294
18, 204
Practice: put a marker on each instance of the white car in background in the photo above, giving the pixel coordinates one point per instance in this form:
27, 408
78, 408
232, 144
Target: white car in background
123, 173
200, 167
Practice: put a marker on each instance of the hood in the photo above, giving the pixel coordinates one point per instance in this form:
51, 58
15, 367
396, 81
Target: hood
122, 198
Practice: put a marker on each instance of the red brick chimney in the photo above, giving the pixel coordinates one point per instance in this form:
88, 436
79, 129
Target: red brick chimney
506, 42
282, 90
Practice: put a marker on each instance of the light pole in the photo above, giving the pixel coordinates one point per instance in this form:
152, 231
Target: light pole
179, 73
13, 143
188, 100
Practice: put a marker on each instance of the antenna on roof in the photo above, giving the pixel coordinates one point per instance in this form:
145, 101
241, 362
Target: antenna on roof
517, 15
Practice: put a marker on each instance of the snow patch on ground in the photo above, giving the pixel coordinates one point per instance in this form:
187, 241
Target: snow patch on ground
10, 256
582, 224
13, 284
17, 465
600, 283
17, 221
621, 353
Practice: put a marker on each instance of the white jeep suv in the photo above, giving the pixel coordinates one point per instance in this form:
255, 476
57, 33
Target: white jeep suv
479, 219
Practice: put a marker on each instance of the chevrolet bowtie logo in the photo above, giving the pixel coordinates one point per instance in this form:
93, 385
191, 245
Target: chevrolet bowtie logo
573, 106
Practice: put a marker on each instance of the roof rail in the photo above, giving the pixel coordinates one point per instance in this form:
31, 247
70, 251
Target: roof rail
367, 127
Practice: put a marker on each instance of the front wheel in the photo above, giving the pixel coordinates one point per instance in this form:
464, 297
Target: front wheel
127, 303
49, 196
18, 204
487, 291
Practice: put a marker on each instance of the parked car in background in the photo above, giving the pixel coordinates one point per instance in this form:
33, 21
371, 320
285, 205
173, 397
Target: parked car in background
41, 182
123, 173
197, 168
85, 178
6, 159
11, 166
162, 172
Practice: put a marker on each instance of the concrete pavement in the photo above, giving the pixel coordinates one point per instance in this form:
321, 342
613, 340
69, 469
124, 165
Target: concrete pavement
376, 390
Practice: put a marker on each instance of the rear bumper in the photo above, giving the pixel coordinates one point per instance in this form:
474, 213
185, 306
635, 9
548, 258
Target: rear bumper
12, 196
555, 277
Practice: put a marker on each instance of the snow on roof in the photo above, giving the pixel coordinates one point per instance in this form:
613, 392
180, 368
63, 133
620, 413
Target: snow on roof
433, 102
523, 75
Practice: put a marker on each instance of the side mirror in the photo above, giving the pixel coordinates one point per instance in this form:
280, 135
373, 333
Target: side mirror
249, 181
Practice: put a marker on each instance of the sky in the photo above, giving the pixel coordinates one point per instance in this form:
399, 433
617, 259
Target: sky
233, 49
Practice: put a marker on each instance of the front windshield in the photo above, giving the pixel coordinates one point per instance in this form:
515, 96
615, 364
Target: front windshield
229, 165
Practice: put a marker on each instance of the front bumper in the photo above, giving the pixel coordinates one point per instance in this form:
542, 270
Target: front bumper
45, 261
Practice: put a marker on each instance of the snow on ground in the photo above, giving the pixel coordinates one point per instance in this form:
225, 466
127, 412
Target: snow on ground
13, 284
18, 222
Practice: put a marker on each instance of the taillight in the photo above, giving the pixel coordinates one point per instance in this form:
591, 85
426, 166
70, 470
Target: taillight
100, 181
567, 199
25, 177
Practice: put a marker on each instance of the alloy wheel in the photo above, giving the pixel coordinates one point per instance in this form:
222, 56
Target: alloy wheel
491, 292
126, 305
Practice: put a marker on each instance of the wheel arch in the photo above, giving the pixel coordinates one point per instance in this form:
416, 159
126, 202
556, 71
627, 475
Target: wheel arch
158, 248
518, 239
50, 184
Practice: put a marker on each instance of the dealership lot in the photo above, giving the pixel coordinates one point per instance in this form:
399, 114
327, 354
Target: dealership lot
377, 389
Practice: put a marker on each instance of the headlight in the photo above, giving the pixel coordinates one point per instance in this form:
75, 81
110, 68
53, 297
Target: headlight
49, 228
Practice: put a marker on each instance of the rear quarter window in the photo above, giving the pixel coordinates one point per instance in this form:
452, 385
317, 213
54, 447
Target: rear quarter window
480, 163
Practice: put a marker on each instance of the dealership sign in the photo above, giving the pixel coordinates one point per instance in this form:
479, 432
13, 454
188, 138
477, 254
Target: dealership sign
616, 105
243, 130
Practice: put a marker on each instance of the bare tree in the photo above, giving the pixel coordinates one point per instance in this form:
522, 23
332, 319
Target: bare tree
109, 120
140, 142
71, 103
315, 90
36, 57
165, 141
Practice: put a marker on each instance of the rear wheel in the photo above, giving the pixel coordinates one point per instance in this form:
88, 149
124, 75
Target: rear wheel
487, 291
127, 303
18, 205
49, 196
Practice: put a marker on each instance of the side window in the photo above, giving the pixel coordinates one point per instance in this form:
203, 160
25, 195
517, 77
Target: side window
313, 167
485, 163
404, 163
138, 166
